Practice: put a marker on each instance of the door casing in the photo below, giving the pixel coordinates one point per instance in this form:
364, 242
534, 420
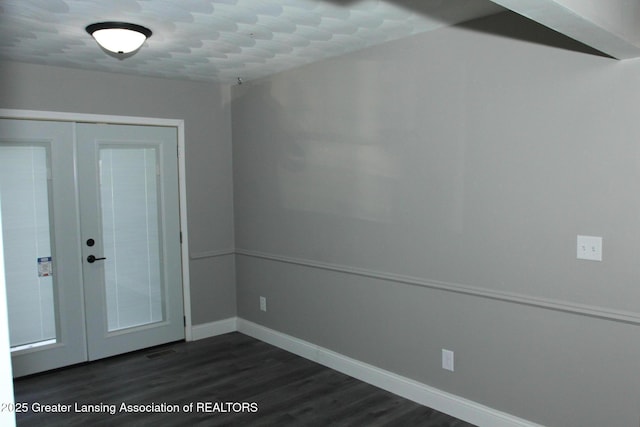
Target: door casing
128, 120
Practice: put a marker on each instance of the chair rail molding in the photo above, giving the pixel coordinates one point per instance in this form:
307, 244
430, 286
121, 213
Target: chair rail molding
598, 312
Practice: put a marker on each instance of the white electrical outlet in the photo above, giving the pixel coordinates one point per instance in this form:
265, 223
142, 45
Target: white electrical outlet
263, 304
589, 248
447, 360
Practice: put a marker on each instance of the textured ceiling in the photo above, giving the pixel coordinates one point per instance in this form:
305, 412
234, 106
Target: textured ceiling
218, 40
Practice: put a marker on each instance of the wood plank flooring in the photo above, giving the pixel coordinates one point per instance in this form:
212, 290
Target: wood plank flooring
229, 380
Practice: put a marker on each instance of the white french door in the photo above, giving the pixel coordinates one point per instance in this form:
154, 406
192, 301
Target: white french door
129, 215
92, 240
40, 223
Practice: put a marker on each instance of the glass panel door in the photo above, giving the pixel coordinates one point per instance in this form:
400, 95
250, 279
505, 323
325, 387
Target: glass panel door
25, 197
41, 253
91, 234
131, 237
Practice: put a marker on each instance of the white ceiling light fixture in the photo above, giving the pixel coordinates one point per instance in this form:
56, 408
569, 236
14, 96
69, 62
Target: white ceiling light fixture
119, 37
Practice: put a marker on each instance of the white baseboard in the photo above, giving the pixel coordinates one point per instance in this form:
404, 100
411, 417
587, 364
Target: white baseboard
439, 400
212, 329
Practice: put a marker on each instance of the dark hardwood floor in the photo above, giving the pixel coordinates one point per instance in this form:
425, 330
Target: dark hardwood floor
230, 380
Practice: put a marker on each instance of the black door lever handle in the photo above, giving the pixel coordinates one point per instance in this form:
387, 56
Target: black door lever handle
91, 259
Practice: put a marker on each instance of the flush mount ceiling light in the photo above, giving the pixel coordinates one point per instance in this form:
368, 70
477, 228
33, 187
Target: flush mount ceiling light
119, 37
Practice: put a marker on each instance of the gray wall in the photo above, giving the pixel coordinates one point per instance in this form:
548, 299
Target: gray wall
427, 193
205, 109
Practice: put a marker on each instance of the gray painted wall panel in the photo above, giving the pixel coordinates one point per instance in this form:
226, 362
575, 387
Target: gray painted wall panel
460, 157
205, 109
553, 368
218, 274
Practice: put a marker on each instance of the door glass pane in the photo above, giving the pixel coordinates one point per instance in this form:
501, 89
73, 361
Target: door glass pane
130, 233
24, 193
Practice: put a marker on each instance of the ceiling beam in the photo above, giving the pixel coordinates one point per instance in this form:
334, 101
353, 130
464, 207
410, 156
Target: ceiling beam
610, 26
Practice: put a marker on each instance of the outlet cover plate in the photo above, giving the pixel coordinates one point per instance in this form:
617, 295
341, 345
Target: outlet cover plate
447, 360
589, 248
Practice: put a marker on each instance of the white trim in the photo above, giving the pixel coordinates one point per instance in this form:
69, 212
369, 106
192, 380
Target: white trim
423, 394
7, 418
184, 233
212, 254
212, 329
89, 118
141, 121
598, 312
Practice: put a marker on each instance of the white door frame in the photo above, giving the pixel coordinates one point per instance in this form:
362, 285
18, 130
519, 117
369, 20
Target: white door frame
7, 418
142, 121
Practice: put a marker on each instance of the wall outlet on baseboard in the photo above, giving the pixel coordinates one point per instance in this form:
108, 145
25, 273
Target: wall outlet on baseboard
263, 304
447, 360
